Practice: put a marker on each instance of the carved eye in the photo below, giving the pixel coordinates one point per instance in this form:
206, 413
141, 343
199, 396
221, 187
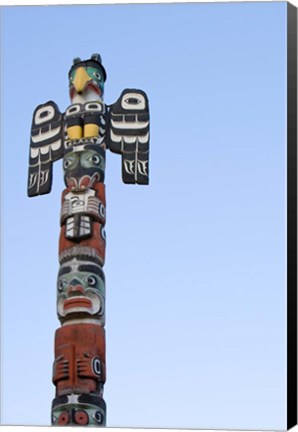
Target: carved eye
63, 418
132, 101
61, 285
44, 114
95, 159
103, 233
66, 163
91, 281
101, 210
81, 417
97, 75
96, 365
98, 417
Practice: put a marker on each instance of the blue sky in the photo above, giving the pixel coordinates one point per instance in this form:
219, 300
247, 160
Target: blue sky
195, 262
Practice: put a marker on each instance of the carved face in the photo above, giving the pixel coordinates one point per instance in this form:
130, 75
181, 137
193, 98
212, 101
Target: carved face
80, 290
86, 77
75, 410
83, 169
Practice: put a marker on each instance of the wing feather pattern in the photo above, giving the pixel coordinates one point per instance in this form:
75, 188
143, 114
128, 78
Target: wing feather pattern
46, 146
128, 134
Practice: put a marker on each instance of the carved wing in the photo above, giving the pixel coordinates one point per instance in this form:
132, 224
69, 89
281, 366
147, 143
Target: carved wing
46, 146
128, 134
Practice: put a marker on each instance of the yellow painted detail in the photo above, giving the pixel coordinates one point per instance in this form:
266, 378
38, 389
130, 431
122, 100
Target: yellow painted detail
91, 130
75, 132
80, 79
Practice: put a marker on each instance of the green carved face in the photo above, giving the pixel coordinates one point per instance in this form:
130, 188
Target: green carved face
83, 169
80, 290
82, 78
79, 409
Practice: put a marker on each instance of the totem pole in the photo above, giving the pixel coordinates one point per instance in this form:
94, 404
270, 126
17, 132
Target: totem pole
81, 136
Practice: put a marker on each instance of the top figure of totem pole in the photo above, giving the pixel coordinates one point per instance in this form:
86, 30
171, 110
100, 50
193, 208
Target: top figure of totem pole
81, 137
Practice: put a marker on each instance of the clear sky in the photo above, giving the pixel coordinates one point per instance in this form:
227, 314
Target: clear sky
195, 263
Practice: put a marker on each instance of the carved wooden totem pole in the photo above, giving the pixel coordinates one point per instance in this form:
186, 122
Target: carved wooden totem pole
81, 136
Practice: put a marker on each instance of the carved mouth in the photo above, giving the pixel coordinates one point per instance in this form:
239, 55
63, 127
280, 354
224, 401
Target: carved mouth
72, 183
83, 183
77, 302
94, 87
91, 305
72, 92
86, 181
89, 86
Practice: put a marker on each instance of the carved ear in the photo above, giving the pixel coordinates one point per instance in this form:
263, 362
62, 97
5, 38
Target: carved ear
96, 57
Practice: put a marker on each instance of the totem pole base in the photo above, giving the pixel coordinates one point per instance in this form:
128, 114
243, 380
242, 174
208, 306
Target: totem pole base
79, 410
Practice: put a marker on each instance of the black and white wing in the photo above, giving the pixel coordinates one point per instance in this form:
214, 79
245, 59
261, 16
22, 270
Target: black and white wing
128, 134
46, 146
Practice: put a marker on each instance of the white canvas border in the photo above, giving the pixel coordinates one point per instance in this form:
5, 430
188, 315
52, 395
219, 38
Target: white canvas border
95, 2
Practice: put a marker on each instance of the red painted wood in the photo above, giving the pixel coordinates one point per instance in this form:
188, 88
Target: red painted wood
79, 365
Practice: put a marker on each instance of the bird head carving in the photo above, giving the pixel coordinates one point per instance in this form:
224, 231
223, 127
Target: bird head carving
87, 78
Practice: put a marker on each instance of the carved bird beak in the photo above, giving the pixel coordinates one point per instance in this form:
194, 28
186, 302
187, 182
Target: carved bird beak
80, 80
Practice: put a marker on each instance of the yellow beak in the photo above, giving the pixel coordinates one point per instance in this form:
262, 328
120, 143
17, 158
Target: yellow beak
80, 79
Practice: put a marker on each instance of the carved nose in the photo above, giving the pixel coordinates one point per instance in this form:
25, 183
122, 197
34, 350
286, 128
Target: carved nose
75, 288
